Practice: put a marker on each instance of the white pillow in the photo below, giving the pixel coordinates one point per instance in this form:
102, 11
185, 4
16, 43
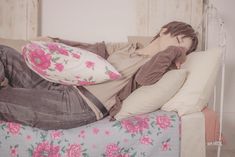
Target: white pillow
195, 93
59, 63
150, 98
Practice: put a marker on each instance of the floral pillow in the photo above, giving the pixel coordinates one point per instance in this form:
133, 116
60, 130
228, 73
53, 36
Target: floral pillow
59, 63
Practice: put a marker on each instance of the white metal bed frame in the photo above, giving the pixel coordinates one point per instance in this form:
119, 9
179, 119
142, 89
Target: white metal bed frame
211, 13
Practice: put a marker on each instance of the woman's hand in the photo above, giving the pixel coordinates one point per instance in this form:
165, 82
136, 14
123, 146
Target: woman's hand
181, 58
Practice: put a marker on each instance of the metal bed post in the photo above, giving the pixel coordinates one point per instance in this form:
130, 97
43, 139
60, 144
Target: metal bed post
212, 14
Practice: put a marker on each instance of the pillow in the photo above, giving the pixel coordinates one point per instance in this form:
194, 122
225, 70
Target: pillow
59, 63
195, 93
150, 98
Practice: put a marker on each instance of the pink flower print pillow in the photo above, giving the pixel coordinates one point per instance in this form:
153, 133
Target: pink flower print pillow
59, 63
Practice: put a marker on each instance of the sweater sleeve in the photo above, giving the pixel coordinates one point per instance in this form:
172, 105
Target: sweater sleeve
155, 68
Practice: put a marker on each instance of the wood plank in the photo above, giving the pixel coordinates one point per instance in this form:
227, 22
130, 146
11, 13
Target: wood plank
142, 19
32, 19
12, 18
18, 19
197, 21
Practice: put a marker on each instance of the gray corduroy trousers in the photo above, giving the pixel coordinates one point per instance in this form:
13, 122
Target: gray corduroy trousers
31, 100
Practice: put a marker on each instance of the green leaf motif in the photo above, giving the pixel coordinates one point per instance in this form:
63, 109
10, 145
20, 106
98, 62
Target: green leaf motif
168, 140
63, 149
30, 152
55, 59
85, 154
133, 155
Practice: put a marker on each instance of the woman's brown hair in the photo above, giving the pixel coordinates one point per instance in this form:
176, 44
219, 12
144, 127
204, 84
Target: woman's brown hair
180, 28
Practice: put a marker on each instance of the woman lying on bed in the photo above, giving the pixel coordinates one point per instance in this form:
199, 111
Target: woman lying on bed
31, 100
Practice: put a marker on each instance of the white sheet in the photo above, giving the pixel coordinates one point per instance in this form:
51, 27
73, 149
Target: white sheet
193, 135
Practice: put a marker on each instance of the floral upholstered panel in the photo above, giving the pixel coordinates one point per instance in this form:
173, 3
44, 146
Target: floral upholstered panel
151, 135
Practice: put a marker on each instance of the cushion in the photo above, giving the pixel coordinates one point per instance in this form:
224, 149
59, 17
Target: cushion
195, 93
59, 63
150, 98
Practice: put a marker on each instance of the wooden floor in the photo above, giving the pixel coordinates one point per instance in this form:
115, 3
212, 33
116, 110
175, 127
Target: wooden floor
224, 153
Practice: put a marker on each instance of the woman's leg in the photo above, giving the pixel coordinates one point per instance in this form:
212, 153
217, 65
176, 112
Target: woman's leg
34, 101
14, 68
45, 109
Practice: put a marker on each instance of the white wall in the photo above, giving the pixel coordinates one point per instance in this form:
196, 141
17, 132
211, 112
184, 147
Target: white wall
114, 20
116, 17
226, 10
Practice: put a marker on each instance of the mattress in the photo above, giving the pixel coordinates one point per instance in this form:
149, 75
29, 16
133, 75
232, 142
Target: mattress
193, 135
150, 135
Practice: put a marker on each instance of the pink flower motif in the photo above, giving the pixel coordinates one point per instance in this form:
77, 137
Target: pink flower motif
113, 76
82, 134
163, 121
28, 137
40, 59
146, 140
40, 71
52, 46
123, 155
63, 51
112, 150
34, 46
75, 55
107, 132
74, 150
90, 64
136, 124
55, 134
94, 146
125, 140
81, 83
59, 67
14, 152
96, 130
45, 149
165, 146
14, 128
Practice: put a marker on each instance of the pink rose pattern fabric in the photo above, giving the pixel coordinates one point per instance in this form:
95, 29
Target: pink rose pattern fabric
153, 134
63, 64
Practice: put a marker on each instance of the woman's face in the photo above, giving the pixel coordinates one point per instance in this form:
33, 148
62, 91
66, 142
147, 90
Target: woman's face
168, 40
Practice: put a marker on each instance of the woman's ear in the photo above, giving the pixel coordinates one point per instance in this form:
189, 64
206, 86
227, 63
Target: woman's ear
162, 31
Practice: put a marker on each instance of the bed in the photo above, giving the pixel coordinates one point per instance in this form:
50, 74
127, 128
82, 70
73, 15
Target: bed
158, 133
178, 137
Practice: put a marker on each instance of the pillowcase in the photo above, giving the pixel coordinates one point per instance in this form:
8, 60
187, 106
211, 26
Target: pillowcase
59, 63
195, 93
150, 98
